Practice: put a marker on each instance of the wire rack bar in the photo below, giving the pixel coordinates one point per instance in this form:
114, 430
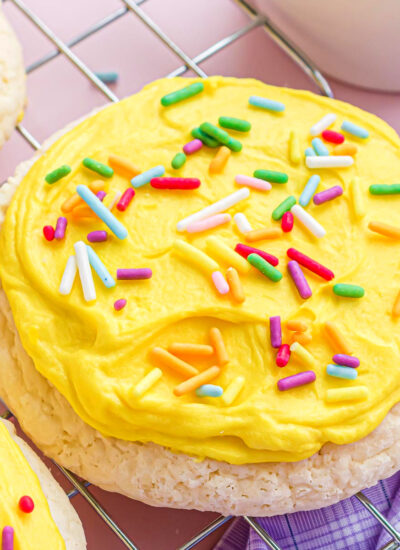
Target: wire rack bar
310, 70
65, 50
163, 37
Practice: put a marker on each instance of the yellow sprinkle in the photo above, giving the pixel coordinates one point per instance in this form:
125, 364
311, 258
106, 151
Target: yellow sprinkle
233, 390
224, 253
294, 148
354, 393
147, 382
20, 117
302, 355
195, 256
357, 198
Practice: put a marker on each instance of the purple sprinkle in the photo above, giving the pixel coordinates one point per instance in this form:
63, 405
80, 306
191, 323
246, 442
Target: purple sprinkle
97, 236
192, 146
296, 380
134, 274
8, 538
60, 228
100, 195
275, 331
328, 194
119, 304
346, 360
299, 279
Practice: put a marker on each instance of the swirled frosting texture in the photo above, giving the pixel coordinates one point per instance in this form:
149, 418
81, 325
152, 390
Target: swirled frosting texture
33, 531
94, 356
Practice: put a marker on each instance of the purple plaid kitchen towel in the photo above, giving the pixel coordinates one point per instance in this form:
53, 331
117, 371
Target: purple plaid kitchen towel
346, 525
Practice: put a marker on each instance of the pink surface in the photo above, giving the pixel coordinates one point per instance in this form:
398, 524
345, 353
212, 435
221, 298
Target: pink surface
58, 93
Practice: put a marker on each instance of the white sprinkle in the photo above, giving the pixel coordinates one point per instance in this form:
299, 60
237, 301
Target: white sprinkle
85, 273
329, 162
322, 124
242, 223
214, 208
68, 277
220, 282
308, 221
114, 201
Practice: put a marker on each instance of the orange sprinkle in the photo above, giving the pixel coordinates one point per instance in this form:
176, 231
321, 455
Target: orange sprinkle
385, 229
197, 381
337, 339
123, 166
218, 344
296, 326
345, 149
303, 338
396, 306
75, 199
198, 350
166, 359
235, 284
219, 161
262, 234
82, 211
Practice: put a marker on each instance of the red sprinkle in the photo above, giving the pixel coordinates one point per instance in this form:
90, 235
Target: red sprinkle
332, 137
310, 264
245, 250
175, 183
48, 232
126, 198
119, 304
26, 504
283, 355
287, 222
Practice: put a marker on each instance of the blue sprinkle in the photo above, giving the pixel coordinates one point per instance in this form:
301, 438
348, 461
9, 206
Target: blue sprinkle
320, 148
209, 390
109, 77
339, 371
309, 152
265, 103
309, 190
103, 213
146, 177
355, 130
100, 268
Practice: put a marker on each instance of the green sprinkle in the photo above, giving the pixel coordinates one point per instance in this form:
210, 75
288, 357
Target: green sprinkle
384, 189
264, 267
348, 291
183, 93
178, 161
58, 173
283, 207
98, 167
207, 140
221, 136
271, 176
234, 123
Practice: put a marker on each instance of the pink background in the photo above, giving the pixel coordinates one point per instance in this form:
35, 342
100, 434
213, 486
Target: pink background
58, 93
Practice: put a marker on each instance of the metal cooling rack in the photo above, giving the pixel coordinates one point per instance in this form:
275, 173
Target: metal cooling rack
132, 8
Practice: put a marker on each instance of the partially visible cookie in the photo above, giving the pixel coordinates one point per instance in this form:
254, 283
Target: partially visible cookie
34, 529
12, 79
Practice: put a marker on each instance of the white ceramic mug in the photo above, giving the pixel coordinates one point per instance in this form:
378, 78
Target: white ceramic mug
357, 41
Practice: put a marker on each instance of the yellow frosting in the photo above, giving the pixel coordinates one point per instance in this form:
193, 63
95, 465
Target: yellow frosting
33, 531
95, 356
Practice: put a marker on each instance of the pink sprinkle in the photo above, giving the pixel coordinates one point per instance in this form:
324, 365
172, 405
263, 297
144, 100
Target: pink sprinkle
134, 274
275, 331
192, 146
8, 538
48, 232
119, 304
220, 283
208, 223
101, 195
299, 280
296, 380
328, 194
255, 183
97, 236
60, 228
